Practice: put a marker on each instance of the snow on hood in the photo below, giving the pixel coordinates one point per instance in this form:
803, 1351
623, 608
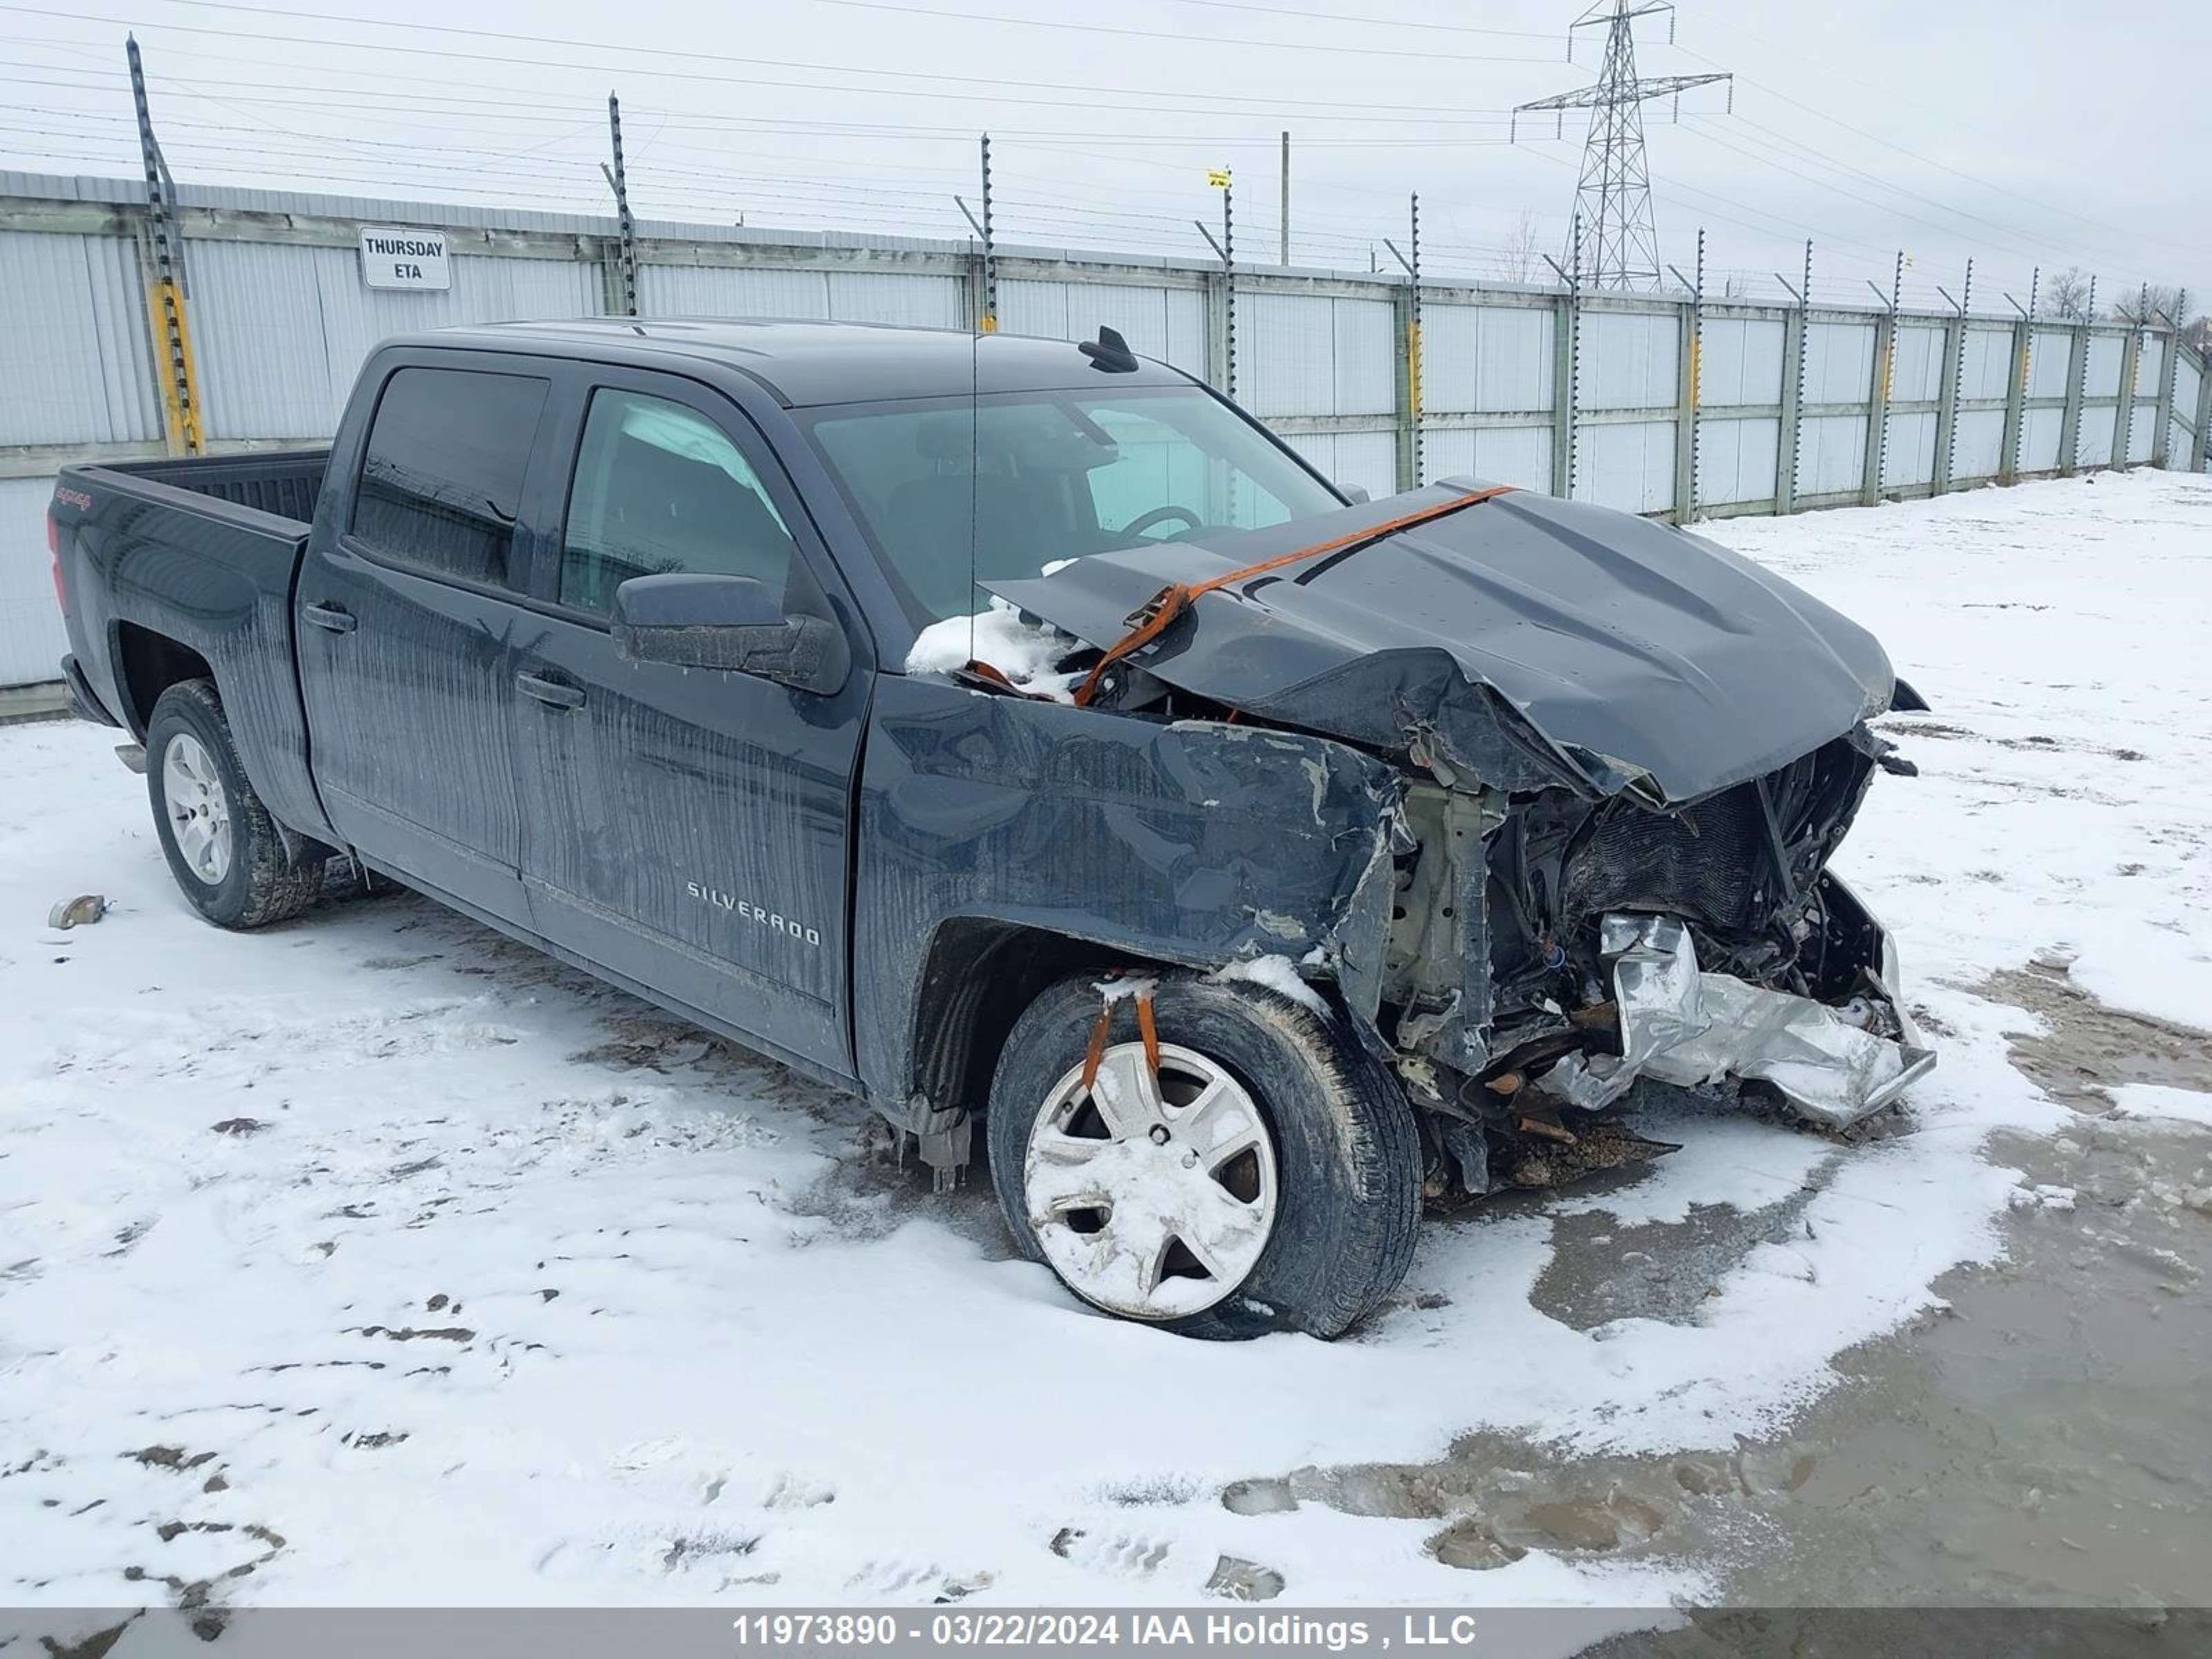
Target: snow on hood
1529, 639
1029, 653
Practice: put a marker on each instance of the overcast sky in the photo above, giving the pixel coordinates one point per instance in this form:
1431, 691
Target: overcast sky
2020, 133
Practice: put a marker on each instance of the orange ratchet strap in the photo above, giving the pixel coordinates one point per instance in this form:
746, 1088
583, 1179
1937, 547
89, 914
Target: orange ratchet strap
1171, 601
1147, 1028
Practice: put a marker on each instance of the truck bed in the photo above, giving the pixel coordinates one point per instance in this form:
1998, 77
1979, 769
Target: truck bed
199, 554
285, 483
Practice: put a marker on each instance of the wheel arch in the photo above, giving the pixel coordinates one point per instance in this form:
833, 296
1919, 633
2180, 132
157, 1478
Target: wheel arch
978, 976
146, 664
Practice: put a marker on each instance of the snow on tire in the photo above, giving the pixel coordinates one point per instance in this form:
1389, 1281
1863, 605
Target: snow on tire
1267, 1178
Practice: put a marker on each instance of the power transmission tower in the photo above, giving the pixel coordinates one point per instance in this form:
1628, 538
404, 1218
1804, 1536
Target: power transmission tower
1614, 194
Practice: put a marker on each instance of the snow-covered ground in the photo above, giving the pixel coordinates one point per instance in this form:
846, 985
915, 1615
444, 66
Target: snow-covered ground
398, 1265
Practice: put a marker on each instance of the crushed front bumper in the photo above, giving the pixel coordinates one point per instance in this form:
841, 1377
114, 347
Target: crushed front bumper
1834, 1063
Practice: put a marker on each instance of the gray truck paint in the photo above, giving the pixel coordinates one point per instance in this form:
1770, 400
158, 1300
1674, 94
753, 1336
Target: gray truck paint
1525, 639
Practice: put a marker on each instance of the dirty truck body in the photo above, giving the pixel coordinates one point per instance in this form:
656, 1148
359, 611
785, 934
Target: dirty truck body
1361, 871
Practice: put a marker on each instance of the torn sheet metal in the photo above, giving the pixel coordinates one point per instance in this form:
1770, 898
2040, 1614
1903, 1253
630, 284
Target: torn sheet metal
1526, 640
1681, 1026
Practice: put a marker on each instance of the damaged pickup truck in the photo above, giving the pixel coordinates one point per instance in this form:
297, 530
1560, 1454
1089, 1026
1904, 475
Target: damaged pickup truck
1012, 731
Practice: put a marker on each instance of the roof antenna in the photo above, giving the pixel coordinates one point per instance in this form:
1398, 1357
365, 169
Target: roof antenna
1109, 352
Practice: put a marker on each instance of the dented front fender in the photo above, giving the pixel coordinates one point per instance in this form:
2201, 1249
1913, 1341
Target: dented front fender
1195, 842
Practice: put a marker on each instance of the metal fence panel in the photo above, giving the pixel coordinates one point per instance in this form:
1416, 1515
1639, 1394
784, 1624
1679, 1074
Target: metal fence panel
1911, 456
1308, 354
1985, 369
2093, 444
279, 332
2187, 380
1165, 322
1366, 348
1369, 460
2142, 432
1916, 377
1740, 362
1518, 455
2150, 365
1737, 460
1629, 360
2105, 353
1831, 454
1976, 444
1628, 465
30, 636
2050, 362
1285, 354
1839, 362
74, 363
910, 298
1488, 359
2040, 432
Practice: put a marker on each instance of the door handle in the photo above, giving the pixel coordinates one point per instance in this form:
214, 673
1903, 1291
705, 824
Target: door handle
334, 618
554, 694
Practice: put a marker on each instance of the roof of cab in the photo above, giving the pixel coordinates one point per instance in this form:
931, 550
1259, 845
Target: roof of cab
803, 364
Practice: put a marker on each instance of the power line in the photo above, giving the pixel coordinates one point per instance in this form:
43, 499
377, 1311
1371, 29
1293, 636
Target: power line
1180, 38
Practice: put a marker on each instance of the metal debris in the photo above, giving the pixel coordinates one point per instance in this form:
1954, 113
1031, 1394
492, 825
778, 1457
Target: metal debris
80, 912
1834, 1064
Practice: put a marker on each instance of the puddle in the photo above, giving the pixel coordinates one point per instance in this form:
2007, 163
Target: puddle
2086, 1048
2044, 1441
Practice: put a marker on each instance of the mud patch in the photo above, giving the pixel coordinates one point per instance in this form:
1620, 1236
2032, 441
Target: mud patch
2086, 1048
2043, 1438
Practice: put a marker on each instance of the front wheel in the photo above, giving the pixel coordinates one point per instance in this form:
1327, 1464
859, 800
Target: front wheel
1266, 1177
221, 844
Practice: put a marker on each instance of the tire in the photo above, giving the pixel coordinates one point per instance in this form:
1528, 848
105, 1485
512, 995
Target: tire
1336, 1137
235, 875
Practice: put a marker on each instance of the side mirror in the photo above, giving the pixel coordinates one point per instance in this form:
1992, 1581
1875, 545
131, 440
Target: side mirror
692, 619
1356, 493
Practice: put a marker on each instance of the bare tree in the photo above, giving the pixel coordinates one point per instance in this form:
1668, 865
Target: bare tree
2159, 302
2067, 295
1523, 260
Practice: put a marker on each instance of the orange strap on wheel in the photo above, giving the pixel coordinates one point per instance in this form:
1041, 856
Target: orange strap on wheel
1147, 624
1147, 1028
1149, 1031
1099, 1033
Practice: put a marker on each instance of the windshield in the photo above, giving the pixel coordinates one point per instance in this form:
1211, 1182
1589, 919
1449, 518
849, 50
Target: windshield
1045, 476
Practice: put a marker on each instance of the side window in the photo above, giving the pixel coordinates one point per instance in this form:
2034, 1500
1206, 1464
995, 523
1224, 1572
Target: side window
441, 481
658, 487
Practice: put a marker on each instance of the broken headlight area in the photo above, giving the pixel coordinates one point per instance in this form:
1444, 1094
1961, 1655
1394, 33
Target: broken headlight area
1549, 951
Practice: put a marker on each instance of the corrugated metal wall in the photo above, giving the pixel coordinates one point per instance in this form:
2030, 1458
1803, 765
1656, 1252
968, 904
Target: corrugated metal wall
1166, 323
75, 365
280, 331
282, 321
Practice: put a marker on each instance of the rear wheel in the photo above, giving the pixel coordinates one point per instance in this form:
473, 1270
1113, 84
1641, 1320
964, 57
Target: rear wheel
1266, 1177
221, 844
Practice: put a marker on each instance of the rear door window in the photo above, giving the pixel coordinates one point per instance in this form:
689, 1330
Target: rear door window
441, 480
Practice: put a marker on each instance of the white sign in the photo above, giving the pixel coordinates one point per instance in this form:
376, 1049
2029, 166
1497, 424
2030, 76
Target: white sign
393, 256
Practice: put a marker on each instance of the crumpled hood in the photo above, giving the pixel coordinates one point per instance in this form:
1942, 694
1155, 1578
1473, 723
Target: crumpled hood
1526, 640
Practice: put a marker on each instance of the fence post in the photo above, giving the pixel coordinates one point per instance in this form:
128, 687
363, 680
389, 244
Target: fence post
626, 228
1947, 400
1566, 365
1217, 329
2161, 443
2200, 445
2015, 415
168, 287
2124, 421
2077, 386
1407, 312
1877, 437
1793, 400
1688, 369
